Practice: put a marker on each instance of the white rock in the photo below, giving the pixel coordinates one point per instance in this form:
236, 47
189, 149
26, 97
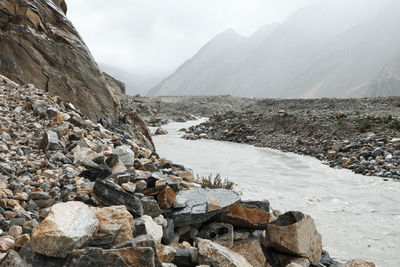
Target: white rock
67, 226
125, 154
152, 228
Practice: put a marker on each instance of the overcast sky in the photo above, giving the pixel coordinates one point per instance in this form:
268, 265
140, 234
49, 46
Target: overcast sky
158, 35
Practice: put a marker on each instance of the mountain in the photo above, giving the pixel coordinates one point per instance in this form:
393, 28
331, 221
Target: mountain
136, 83
327, 49
40, 46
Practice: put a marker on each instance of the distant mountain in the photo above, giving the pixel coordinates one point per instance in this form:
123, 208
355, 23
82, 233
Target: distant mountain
135, 83
329, 49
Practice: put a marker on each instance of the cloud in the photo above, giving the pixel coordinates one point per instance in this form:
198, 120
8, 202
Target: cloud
158, 35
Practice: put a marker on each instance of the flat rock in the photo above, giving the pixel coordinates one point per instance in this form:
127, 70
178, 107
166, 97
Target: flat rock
67, 226
195, 201
249, 214
50, 141
295, 233
112, 194
217, 255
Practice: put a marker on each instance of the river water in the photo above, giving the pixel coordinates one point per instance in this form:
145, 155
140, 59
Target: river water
358, 216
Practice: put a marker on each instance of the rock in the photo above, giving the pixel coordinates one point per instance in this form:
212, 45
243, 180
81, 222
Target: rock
212, 205
295, 233
67, 226
240, 235
168, 232
183, 258
217, 255
160, 131
187, 176
125, 154
166, 197
298, 262
111, 194
6, 243
112, 160
249, 214
123, 257
31, 34
50, 141
220, 233
165, 254
21, 240
115, 225
196, 204
251, 250
359, 263
99, 172
377, 152
15, 231
12, 259
152, 228
150, 206
119, 167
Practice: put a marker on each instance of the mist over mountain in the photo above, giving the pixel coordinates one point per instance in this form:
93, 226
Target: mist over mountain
328, 49
136, 83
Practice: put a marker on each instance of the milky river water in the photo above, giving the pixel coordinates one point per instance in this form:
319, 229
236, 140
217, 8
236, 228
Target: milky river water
358, 216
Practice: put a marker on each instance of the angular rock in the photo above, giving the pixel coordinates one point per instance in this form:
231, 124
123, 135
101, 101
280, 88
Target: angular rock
217, 255
220, 233
295, 233
6, 243
152, 228
50, 141
166, 197
150, 206
123, 257
12, 259
249, 214
183, 258
99, 172
112, 160
67, 226
111, 194
195, 201
168, 232
251, 250
126, 155
165, 254
115, 225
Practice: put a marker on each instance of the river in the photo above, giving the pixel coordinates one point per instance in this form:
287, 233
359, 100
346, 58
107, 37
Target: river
358, 216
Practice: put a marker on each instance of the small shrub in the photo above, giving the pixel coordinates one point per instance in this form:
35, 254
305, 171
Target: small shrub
214, 182
395, 125
343, 124
365, 125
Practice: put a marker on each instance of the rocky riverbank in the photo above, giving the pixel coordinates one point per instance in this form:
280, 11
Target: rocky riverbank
74, 193
362, 135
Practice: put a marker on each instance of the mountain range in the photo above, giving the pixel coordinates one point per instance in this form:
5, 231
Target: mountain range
332, 48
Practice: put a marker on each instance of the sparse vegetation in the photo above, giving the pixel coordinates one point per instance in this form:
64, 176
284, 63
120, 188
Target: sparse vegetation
365, 125
343, 124
395, 125
214, 182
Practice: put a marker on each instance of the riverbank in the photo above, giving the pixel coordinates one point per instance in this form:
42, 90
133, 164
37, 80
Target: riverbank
362, 135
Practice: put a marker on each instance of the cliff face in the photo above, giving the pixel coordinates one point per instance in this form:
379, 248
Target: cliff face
39, 45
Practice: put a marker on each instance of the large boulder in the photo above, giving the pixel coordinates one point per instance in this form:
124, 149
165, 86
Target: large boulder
295, 233
191, 205
40, 46
216, 255
251, 250
67, 226
111, 194
249, 214
115, 225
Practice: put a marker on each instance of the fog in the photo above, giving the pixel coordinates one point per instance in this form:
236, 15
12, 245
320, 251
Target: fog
156, 36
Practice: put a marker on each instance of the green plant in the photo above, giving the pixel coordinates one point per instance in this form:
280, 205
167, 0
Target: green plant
365, 124
214, 182
343, 124
395, 125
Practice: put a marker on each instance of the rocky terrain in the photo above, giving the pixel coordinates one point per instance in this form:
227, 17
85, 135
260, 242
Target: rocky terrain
357, 134
74, 193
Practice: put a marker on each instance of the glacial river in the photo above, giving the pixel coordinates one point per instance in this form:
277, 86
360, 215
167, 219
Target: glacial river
358, 216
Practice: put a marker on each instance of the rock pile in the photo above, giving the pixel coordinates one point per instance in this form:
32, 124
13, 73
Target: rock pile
74, 193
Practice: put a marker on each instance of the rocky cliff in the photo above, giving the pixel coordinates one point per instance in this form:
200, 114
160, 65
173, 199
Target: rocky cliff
39, 45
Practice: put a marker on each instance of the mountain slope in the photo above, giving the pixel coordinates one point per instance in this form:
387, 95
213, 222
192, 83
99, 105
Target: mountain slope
324, 50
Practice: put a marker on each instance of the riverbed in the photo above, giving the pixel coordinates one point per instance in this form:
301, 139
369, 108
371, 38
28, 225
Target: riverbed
358, 216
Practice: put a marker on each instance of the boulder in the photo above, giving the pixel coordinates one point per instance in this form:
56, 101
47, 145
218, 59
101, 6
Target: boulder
100, 171
195, 205
251, 250
67, 226
152, 228
150, 206
166, 197
217, 255
249, 214
295, 233
125, 154
111, 194
115, 225
220, 233
50, 141
122, 257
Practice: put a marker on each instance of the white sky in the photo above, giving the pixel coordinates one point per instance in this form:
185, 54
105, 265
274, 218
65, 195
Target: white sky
153, 36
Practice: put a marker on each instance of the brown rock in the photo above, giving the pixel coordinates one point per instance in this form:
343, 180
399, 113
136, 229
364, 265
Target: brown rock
115, 217
295, 233
165, 254
166, 197
251, 250
21, 240
6, 243
359, 263
212, 205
